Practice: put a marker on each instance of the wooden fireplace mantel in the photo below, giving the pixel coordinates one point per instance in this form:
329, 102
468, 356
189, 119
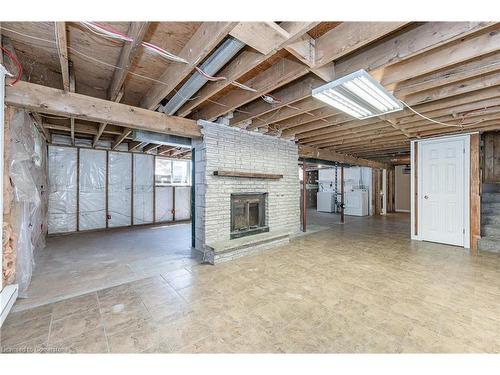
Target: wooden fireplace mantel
268, 176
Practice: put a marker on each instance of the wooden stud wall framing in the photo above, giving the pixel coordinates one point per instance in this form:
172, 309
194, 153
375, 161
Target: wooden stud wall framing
107, 191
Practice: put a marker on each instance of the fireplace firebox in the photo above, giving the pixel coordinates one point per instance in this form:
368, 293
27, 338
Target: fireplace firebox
248, 214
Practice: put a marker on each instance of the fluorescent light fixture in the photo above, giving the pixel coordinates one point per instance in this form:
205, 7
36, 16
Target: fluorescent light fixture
359, 95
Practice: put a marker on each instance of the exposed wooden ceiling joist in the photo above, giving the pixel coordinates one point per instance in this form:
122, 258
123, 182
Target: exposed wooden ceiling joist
277, 75
307, 152
206, 38
244, 63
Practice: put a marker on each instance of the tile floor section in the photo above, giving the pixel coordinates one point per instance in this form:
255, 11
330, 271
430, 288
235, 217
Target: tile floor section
363, 287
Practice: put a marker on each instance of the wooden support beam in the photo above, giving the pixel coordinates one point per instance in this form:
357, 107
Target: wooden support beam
164, 149
83, 128
477, 67
419, 40
41, 127
72, 89
287, 111
350, 36
150, 147
304, 49
279, 74
204, 40
440, 58
287, 95
308, 152
121, 137
262, 36
135, 145
57, 102
136, 31
62, 50
242, 64
304, 196
103, 125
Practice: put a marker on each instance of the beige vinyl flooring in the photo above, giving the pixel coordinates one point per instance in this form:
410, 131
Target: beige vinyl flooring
361, 287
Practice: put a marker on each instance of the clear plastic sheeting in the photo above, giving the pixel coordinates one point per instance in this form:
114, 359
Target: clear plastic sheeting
92, 189
163, 203
63, 189
143, 188
119, 189
182, 202
27, 161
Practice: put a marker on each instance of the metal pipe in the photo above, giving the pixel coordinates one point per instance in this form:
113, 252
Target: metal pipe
226, 51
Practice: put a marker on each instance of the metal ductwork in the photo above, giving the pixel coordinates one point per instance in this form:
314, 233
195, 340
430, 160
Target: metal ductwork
160, 139
226, 51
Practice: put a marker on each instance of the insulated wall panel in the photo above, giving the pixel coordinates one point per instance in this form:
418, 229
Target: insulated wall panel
182, 202
92, 192
119, 189
143, 188
163, 197
62, 170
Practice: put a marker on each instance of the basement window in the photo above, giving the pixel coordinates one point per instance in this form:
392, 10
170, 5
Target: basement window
169, 172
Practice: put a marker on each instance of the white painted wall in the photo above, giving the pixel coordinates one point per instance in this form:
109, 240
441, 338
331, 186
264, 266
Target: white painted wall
232, 149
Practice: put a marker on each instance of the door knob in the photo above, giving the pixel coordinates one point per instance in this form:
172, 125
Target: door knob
426, 197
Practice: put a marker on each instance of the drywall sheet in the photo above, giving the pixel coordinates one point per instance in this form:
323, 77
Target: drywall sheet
182, 202
163, 197
62, 189
92, 192
119, 189
143, 188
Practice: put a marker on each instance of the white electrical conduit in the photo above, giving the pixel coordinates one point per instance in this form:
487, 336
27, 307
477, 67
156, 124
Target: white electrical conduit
437, 122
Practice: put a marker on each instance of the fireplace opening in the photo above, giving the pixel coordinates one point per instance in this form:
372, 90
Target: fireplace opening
248, 214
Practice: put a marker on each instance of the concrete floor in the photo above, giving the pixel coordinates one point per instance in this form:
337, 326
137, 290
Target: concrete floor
358, 287
71, 265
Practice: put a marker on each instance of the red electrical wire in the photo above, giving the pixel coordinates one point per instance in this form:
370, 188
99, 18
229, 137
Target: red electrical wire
18, 64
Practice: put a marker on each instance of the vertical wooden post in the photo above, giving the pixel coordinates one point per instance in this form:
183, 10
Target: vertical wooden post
475, 193
132, 190
154, 188
193, 198
342, 219
106, 188
77, 189
173, 201
304, 196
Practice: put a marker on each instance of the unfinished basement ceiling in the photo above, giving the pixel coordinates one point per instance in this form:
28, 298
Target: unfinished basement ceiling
448, 71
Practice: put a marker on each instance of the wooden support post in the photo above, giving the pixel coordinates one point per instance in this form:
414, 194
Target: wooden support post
107, 188
342, 219
193, 198
154, 189
304, 196
132, 191
475, 193
78, 189
173, 203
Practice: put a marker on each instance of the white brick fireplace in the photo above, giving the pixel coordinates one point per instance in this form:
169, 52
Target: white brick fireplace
269, 166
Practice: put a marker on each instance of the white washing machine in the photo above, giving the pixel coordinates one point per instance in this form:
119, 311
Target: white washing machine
326, 201
356, 202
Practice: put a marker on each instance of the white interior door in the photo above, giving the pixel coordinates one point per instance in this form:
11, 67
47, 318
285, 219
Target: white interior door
442, 194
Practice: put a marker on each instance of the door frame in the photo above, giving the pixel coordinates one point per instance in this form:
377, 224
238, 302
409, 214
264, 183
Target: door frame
416, 187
